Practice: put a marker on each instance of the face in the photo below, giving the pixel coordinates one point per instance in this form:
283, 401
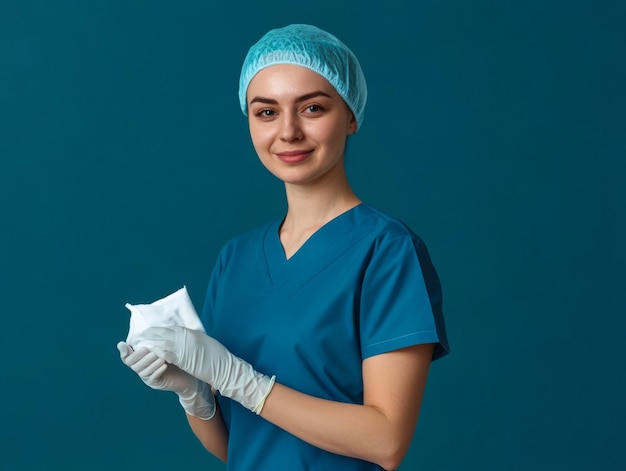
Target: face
298, 123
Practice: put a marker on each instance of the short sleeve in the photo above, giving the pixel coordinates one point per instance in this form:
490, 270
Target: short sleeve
400, 299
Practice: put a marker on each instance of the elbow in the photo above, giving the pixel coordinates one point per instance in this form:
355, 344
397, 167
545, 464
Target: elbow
392, 456
390, 463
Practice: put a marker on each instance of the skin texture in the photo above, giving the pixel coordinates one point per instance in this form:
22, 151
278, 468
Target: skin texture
317, 188
211, 433
299, 126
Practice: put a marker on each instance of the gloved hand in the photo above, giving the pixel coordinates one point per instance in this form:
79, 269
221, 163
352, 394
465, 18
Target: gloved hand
208, 360
195, 396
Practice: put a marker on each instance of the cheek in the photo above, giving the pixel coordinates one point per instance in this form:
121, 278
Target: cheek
335, 137
259, 136
262, 143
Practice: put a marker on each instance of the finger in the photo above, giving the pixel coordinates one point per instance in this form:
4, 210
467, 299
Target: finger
124, 349
153, 371
156, 375
136, 356
146, 364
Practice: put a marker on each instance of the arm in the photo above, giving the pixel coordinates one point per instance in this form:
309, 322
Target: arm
211, 433
380, 430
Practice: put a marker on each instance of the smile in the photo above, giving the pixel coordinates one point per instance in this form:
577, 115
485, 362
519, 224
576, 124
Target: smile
294, 156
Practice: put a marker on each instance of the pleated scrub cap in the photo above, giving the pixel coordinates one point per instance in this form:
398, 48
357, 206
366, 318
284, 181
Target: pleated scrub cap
315, 49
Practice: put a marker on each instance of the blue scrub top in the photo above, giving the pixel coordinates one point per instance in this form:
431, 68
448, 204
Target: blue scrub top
362, 285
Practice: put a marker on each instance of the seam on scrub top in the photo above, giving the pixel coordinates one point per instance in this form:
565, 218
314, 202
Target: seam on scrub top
400, 337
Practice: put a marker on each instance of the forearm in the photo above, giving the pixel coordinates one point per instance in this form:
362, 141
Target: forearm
357, 431
380, 431
211, 433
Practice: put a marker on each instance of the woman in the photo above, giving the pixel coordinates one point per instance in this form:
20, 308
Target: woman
338, 300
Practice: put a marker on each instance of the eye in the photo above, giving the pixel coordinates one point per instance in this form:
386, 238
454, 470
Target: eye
314, 109
264, 113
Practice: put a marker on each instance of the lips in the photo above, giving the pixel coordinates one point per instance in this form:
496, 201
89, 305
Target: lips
294, 156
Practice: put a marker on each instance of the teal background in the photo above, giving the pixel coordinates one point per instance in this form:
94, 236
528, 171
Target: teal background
495, 129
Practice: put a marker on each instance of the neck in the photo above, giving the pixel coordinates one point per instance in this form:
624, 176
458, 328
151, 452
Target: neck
311, 206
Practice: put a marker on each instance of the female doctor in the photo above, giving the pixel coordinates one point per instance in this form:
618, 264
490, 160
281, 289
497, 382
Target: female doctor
320, 326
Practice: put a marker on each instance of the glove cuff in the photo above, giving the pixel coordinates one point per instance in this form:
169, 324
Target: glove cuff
247, 386
199, 402
270, 384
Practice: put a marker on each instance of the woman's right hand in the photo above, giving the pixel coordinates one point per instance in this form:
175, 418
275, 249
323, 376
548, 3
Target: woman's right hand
195, 396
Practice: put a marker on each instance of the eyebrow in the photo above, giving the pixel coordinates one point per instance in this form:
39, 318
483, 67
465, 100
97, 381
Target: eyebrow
271, 101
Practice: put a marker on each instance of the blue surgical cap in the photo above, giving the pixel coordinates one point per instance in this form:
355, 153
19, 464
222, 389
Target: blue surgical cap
315, 49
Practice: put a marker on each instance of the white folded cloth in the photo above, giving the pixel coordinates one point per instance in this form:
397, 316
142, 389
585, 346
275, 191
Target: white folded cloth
173, 310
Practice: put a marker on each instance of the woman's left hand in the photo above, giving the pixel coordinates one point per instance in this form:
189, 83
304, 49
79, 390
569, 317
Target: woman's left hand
208, 360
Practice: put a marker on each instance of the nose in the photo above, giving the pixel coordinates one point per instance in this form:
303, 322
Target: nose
291, 129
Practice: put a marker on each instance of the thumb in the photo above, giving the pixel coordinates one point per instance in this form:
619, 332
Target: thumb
124, 349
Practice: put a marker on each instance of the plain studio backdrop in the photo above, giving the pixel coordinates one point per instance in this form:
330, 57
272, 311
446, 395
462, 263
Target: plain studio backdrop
495, 129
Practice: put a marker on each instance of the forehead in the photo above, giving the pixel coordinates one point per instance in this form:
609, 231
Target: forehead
287, 80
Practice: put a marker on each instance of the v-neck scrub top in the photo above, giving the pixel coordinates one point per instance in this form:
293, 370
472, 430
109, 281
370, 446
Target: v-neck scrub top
362, 285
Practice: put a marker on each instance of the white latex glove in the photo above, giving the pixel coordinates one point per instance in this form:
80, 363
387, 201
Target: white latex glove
208, 360
195, 396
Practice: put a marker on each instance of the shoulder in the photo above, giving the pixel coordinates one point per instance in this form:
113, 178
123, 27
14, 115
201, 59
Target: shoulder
393, 245
249, 240
252, 235
385, 229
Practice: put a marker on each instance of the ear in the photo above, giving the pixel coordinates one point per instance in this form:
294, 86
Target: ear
352, 124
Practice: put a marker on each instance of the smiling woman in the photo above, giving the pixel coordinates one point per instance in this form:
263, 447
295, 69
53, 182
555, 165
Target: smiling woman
298, 124
338, 300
